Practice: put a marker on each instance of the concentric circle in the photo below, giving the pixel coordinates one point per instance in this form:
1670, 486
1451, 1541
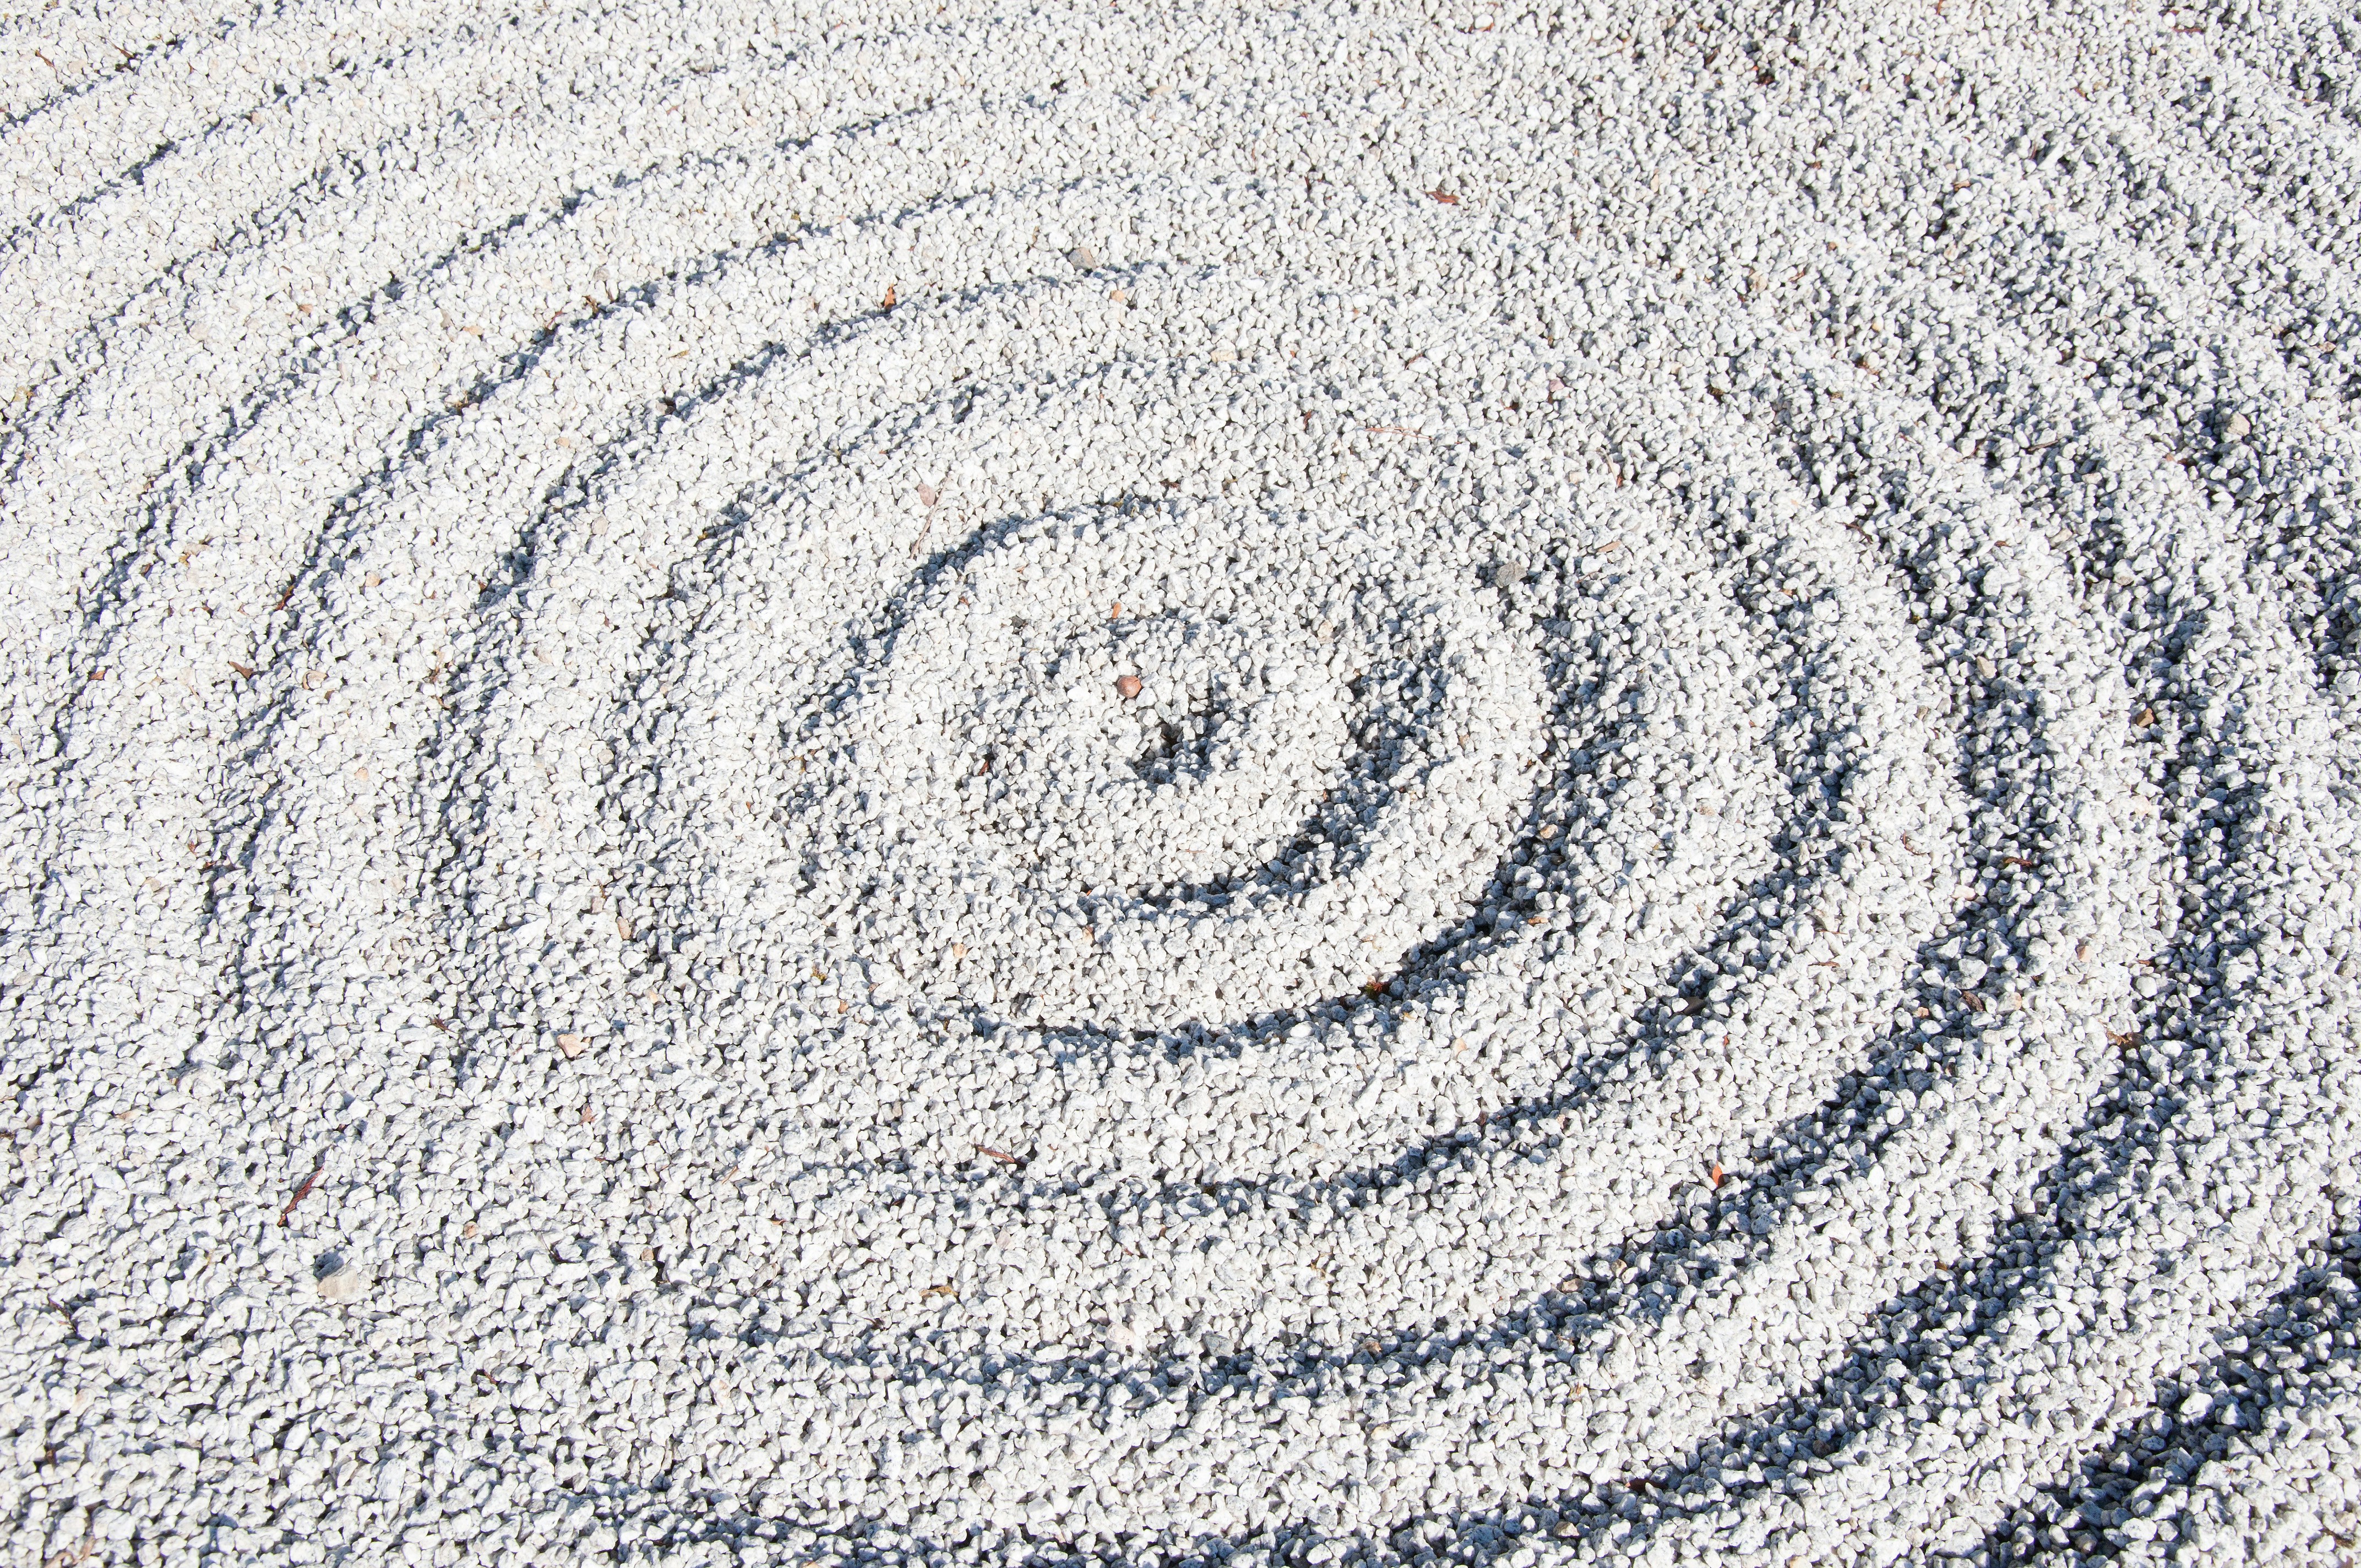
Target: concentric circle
1298, 788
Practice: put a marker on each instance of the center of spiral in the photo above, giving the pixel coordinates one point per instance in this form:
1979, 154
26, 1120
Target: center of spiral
1202, 739
1189, 765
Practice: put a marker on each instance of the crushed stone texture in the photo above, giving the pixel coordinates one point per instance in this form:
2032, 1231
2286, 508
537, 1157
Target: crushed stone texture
927, 786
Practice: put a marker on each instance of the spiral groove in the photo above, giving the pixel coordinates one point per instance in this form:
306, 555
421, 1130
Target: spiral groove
1355, 785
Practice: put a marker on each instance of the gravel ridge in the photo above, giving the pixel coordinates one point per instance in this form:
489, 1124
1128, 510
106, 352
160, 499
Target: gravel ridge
909, 784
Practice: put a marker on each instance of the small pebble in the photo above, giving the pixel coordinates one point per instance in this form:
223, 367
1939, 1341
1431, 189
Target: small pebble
345, 1282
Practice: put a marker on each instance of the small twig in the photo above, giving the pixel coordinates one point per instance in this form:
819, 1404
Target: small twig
995, 1153
304, 1191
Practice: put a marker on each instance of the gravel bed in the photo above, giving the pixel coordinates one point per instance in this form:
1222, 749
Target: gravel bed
1170, 786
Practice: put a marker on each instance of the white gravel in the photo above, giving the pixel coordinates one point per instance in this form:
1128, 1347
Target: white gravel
1182, 787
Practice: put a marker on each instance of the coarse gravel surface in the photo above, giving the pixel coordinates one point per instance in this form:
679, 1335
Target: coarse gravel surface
914, 785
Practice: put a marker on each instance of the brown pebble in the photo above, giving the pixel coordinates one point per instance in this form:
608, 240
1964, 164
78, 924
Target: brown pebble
1129, 686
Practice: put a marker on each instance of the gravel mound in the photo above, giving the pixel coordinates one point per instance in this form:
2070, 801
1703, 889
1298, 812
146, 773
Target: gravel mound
924, 786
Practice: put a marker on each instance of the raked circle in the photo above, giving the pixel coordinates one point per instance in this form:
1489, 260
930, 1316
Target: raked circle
1375, 809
